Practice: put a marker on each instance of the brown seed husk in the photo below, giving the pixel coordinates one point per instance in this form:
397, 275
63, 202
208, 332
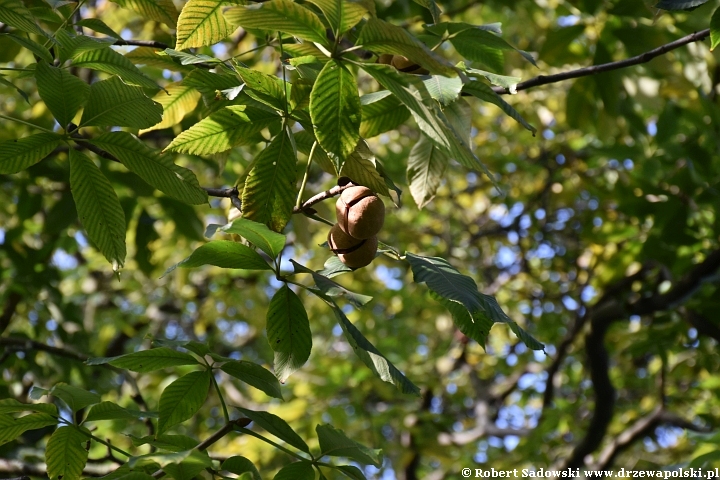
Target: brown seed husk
360, 213
352, 252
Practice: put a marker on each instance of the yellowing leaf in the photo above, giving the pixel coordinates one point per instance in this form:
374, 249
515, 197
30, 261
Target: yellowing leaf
202, 23
177, 102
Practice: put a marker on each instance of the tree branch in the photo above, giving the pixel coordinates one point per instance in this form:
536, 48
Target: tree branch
606, 67
13, 299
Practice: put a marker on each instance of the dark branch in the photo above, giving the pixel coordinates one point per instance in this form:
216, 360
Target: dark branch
337, 190
23, 344
13, 299
143, 43
606, 67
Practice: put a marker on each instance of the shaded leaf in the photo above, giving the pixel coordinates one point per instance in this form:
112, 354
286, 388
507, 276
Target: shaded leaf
330, 288
12, 427
426, 166
276, 426
183, 398
444, 89
258, 234
66, 454
362, 168
288, 331
484, 92
113, 411
432, 6
99, 26
352, 472
98, 207
15, 14
10, 405
255, 375
335, 443
189, 467
62, 92
239, 465
223, 254
302, 470
715, 29
113, 103
283, 15
147, 360
17, 155
39, 50
341, 14
381, 114
109, 61
679, 4
74, 397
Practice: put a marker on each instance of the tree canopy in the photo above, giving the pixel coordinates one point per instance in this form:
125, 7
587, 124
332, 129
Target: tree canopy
545, 288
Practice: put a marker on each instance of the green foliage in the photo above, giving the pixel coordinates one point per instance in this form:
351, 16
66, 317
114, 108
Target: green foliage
288, 331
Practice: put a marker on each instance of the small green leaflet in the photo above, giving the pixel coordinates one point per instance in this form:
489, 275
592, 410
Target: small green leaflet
157, 170
223, 254
362, 167
10, 405
74, 397
271, 186
113, 411
202, 23
66, 453
147, 360
258, 234
444, 89
183, 398
177, 101
239, 465
39, 50
17, 155
283, 15
189, 467
62, 92
383, 37
371, 357
341, 14
98, 207
352, 472
276, 426
335, 443
12, 427
330, 288
426, 166
715, 29
255, 375
222, 130
113, 103
484, 92
288, 331
335, 110
99, 26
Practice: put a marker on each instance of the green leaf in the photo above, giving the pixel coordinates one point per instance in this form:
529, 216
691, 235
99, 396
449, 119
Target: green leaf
304, 141
189, 467
109, 61
224, 129
381, 113
432, 6
152, 58
11, 427
329, 288
302, 470
72, 45
335, 443
484, 92
258, 234
501, 80
239, 465
372, 358
283, 15
147, 360
62, 92
268, 89
255, 375
526, 338
334, 267
183, 398
113, 411
271, 186
202, 23
482, 46
15, 14
74, 397
157, 170
20, 92
113, 103
362, 168
335, 110
10, 405
177, 101
341, 14
352, 472
426, 166
276, 426
459, 117
223, 254
172, 443
17, 155
382, 37
99, 26
39, 50
66, 454
288, 331
715, 29
98, 207
679, 4
163, 11
444, 89
474, 327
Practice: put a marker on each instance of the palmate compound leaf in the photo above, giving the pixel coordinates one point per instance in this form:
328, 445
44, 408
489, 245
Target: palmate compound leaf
98, 207
17, 155
382, 37
254, 375
157, 170
335, 110
183, 398
335, 443
62, 92
222, 130
271, 186
113, 103
12, 427
223, 254
258, 234
177, 101
381, 112
276, 426
341, 14
283, 15
371, 357
454, 288
147, 360
426, 166
288, 331
66, 453
202, 23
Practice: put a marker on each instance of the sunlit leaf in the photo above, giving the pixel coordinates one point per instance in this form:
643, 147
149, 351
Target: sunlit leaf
113, 411
255, 375
426, 165
361, 168
283, 15
177, 101
109, 61
62, 92
342, 14
484, 92
74, 397
113, 103
163, 11
147, 360
258, 234
202, 23
381, 113
223, 254
66, 454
